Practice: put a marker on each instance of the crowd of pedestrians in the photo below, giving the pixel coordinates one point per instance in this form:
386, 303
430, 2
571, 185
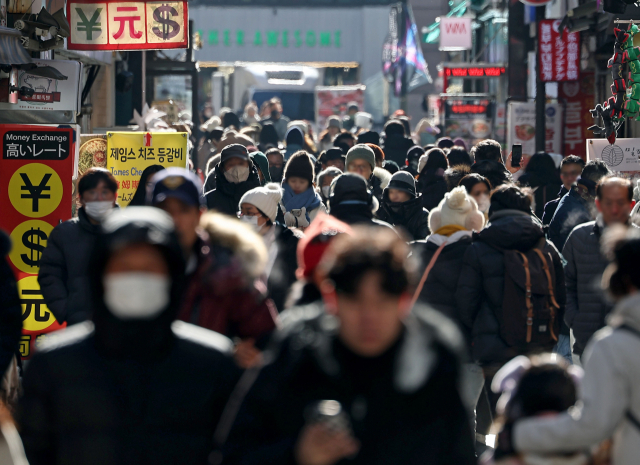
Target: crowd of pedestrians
316, 305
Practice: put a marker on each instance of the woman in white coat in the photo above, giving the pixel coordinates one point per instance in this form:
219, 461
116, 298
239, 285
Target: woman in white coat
609, 404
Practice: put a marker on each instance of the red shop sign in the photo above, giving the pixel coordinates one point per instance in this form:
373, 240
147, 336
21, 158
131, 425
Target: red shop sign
559, 55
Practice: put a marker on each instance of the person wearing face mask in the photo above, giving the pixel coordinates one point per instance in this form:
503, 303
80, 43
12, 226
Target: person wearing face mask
361, 159
65, 261
145, 387
259, 208
279, 121
479, 188
325, 178
276, 164
235, 175
401, 206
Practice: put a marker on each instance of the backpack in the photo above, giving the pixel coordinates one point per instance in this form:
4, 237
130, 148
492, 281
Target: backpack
529, 318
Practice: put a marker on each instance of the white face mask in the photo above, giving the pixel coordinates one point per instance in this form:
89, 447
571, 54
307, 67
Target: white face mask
484, 202
237, 174
326, 191
98, 210
136, 295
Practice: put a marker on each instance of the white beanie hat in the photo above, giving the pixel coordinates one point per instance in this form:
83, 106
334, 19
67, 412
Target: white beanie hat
457, 208
422, 162
265, 199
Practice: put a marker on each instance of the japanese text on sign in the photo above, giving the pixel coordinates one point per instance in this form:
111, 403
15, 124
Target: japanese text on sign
559, 53
129, 153
126, 25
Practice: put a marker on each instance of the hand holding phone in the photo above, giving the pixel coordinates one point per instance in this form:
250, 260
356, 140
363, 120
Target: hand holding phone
516, 155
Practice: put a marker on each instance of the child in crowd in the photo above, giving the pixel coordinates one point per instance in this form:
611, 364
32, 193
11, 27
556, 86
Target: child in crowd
300, 202
401, 206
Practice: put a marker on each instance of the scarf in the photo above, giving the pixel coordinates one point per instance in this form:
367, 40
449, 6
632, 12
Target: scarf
308, 199
449, 229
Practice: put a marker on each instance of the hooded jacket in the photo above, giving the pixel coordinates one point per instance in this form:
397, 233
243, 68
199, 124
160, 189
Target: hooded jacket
64, 267
481, 282
610, 389
388, 399
433, 187
408, 215
378, 182
551, 207
127, 391
10, 308
572, 211
226, 196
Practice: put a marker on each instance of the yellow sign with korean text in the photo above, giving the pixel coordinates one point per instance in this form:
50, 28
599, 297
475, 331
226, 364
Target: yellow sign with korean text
129, 153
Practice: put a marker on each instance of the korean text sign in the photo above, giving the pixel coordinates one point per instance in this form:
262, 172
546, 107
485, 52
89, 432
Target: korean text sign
36, 168
559, 53
129, 153
579, 97
108, 25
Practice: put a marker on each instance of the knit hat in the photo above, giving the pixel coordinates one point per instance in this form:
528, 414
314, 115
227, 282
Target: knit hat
334, 122
402, 180
316, 241
370, 137
265, 199
457, 208
234, 151
352, 188
361, 152
261, 161
300, 166
334, 153
439, 160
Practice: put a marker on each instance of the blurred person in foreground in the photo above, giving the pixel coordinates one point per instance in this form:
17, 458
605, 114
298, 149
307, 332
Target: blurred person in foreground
609, 398
133, 385
358, 376
570, 169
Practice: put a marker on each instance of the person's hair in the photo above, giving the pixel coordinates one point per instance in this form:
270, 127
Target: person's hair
621, 246
454, 175
139, 198
378, 152
93, 176
274, 151
343, 137
572, 160
379, 250
542, 170
458, 156
406, 123
444, 143
391, 166
414, 153
331, 171
393, 126
231, 119
436, 159
510, 197
487, 149
595, 170
492, 170
611, 180
470, 180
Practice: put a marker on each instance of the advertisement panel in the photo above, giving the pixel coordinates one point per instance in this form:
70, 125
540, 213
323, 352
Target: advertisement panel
455, 34
579, 97
559, 53
129, 153
36, 170
334, 101
521, 124
469, 118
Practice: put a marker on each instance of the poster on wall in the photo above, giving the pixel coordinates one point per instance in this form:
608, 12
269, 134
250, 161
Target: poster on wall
521, 124
579, 98
623, 157
334, 101
468, 118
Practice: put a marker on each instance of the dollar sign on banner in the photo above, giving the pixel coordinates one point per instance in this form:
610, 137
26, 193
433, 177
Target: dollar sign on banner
163, 15
34, 245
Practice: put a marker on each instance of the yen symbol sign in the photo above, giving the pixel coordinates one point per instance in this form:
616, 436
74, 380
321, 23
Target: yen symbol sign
89, 25
35, 192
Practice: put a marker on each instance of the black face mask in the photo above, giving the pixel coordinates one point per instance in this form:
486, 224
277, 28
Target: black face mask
275, 114
276, 173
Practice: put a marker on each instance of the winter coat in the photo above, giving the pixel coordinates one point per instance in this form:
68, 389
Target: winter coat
10, 308
572, 210
396, 148
389, 399
63, 275
587, 306
610, 389
222, 298
481, 283
378, 182
544, 191
433, 187
439, 290
494, 171
283, 273
356, 214
226, 196
551, 207
410, 216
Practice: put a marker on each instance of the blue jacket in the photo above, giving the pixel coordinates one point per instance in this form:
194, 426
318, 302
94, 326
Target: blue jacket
572, 210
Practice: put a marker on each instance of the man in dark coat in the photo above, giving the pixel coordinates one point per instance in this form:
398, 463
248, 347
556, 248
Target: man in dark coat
570, 169
64, 266
357, 379
235, 175
587, 306
401, 207
132, 386
396, 144
10, 308
352, 202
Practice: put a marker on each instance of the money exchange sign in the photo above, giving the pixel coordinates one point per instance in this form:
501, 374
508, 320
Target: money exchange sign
129, 153
36, 169
146, 25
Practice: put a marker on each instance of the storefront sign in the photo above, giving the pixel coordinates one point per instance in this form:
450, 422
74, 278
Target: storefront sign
521, 124
36, 169
468, 118
579, 99
48, 94
129, 153
455, 34
475, 71
136, 25
559, 53
623, 156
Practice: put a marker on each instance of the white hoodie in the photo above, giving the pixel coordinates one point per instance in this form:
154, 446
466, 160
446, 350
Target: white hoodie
610, 388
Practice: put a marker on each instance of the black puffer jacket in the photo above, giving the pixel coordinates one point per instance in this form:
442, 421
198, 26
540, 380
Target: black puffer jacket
10, 308
481, 282
408, 215
226, 196
64, 267
433, 187
403, 406
283, 273
396, 148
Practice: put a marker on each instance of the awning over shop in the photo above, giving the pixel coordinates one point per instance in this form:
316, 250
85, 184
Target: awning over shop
11, 50
431, 34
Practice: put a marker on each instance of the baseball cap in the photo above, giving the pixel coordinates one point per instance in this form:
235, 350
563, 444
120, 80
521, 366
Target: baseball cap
178, 183
234, 151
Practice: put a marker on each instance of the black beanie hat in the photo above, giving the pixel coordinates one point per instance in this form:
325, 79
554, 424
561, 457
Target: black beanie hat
300, 166
349, 187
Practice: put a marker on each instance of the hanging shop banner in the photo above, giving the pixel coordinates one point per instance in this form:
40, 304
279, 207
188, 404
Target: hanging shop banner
141, 25
468, 118
335, 101
455, 34
129, 153
579, 99
559, 53
623, 156
521, 124
36, 171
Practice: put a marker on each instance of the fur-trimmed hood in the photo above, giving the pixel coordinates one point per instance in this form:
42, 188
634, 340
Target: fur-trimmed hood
383, 175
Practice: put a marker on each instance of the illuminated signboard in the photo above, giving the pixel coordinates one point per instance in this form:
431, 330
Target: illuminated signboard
475, 72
